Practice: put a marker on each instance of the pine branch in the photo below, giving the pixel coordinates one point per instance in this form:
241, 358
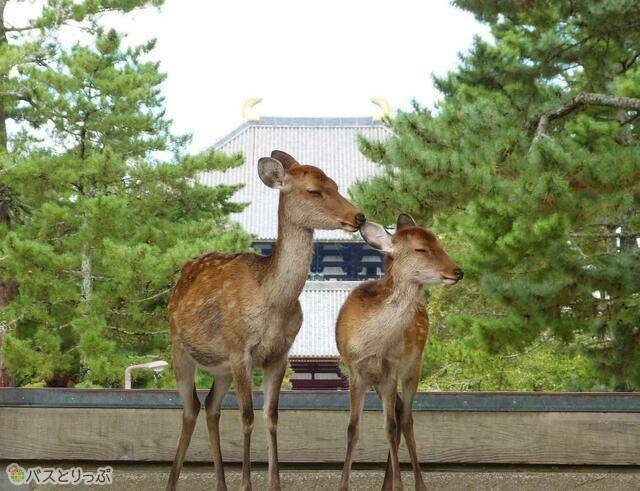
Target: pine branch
19, 94
630, 235
630, 119
19, 29
14, 94
626, 64
155, 296
522, 353
5, 325
582, 99
133, 333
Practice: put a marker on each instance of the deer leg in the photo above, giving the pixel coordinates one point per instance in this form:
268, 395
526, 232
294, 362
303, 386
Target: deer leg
357, 389
388, 473
273, 375
387, 391
409, 387
212, 407
184, 369
242, 379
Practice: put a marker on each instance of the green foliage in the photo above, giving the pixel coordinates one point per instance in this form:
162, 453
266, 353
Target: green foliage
113, 211
36, 44
545, 228
454, 358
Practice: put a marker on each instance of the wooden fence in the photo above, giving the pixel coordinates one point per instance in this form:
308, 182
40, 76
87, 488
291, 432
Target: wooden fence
473, 428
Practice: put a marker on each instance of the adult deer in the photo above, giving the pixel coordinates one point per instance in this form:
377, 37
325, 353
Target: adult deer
381, 332
232, 313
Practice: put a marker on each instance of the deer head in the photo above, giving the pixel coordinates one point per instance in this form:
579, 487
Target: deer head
310, 197
417, 255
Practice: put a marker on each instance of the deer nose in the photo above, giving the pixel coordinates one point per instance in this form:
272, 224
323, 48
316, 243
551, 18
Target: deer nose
360, 219
459, 273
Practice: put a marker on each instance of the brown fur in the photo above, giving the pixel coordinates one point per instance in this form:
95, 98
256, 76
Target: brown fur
231, 313
381, 332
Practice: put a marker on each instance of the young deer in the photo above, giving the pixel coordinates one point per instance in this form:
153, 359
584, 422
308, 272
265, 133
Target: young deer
381, 332
232, 313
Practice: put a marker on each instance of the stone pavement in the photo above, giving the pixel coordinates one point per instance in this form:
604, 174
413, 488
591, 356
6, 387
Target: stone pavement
143, 477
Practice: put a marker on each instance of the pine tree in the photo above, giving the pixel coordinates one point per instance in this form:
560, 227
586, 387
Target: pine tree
34, 43
531, 164
114, 210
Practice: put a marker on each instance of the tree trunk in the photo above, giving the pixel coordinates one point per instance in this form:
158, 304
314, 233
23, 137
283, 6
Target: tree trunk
85, 269
87, 278
8, 288
3, 116
8, 291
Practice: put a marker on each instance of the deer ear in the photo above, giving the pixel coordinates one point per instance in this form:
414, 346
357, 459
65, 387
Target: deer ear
271, 172
287, 160
405, 220
376, 236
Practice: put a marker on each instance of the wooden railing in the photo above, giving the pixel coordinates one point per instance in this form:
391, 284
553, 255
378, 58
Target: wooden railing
473, 428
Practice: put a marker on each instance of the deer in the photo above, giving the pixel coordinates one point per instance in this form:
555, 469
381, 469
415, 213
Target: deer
381, 332
231, 313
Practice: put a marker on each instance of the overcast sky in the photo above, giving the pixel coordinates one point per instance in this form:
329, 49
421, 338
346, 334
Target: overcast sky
303, 58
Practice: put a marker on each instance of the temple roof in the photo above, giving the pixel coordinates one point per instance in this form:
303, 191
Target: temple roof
328, 143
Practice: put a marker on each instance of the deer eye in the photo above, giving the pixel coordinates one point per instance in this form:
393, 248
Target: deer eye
420, 249
313, 192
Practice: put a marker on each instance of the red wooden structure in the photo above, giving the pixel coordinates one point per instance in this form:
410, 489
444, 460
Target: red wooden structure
317, 374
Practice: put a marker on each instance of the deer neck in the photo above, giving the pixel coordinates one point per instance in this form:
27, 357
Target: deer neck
404, 296
403, 300
289, 264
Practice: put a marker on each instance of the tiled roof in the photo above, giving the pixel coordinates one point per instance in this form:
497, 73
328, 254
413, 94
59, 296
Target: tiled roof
321, 302
329, 143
